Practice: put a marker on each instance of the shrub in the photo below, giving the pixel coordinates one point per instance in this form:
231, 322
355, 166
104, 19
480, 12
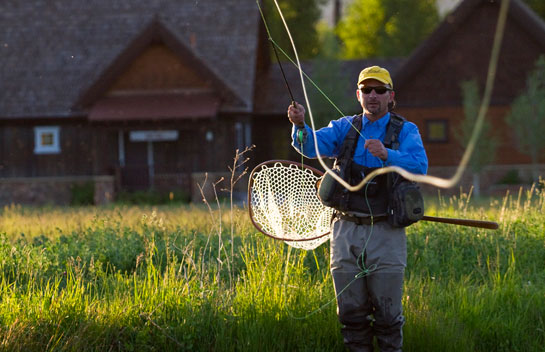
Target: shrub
82, 193
151, 197
511, 177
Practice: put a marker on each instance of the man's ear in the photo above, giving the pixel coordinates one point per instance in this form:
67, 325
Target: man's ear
358, 95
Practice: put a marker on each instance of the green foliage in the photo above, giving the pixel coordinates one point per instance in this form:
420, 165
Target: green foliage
163, 279
301, 17
329, 43
527, 116
386, 28
82, 193
511, 177
538, 6
486, 145
328, 74
152, 197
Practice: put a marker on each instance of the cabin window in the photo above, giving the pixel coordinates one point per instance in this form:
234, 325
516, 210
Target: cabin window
46, 140
436, 131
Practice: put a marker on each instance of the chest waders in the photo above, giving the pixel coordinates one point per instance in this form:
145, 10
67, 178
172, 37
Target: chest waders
368, 305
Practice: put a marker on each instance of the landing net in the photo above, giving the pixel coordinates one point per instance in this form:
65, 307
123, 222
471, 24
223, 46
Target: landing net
283, 204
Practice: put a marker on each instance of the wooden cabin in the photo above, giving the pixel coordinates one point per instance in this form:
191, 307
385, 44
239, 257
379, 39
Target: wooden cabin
136, 94
127, 95
428, 84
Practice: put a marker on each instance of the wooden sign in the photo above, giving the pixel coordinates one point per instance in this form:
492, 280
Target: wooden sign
153, 136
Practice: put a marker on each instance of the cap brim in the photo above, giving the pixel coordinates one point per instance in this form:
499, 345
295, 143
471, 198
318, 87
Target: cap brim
377, 78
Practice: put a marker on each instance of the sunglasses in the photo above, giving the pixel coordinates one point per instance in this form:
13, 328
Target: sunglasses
379, 90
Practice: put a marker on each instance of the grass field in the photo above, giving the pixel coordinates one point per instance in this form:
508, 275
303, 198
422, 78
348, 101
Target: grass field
175, 278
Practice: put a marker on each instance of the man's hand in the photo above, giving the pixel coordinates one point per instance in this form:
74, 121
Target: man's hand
296, 114
376, 148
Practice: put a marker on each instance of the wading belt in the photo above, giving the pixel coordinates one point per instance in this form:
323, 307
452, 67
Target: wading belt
360, 220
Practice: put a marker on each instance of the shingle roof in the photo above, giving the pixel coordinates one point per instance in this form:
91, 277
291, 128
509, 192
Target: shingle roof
51, 52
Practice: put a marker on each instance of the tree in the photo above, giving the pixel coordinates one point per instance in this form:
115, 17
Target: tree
328, 75
527, 116
386, 28
301, 17
485, 148
538, 6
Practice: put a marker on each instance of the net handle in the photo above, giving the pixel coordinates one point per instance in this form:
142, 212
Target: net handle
251, 182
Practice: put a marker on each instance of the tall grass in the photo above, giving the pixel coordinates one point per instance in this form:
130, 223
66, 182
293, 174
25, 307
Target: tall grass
157, 279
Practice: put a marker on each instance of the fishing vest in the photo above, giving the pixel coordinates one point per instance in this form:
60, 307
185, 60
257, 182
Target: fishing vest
376, 197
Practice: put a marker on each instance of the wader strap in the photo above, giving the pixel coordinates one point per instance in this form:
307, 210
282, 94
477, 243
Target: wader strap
350, 141
391, 140
344, 160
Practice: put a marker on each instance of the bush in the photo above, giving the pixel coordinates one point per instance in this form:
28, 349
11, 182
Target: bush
82, 193
150, 197
511, 177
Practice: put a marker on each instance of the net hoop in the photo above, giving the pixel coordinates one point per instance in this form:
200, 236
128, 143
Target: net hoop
310, 172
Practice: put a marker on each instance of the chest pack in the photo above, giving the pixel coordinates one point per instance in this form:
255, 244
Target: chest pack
388, 194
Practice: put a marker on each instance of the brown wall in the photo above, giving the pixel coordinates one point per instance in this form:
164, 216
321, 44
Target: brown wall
176, 160
77, 156
88, 149
450, 153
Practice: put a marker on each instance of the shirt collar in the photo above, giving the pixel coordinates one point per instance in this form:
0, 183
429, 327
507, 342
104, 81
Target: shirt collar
380, 123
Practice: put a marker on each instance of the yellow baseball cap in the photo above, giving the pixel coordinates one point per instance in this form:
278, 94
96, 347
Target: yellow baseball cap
376, 72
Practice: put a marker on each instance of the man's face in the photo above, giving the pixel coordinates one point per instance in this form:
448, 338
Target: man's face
374, 101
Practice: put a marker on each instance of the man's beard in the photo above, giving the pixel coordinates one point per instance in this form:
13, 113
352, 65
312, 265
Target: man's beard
375, 108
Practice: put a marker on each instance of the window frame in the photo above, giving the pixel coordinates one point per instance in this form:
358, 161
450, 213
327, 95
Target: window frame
444, 123
39, 147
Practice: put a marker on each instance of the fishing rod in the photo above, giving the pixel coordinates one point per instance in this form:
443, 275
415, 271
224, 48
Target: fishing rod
269, 37
283, 74
491, 225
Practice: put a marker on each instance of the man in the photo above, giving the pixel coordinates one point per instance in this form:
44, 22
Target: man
368, 255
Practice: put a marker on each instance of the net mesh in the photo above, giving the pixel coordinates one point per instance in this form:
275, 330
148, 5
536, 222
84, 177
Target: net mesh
284, 204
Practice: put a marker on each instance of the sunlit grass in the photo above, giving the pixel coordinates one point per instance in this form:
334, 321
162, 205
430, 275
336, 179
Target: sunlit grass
172, 278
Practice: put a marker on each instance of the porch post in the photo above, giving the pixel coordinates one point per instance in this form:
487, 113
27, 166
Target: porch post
121, 148
151, 171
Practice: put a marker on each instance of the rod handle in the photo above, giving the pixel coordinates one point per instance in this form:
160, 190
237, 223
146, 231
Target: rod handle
491, 225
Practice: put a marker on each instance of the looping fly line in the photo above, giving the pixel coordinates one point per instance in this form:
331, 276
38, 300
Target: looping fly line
432, 180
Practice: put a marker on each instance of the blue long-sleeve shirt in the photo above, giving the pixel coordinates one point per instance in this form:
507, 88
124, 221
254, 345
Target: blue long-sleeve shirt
411, 154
